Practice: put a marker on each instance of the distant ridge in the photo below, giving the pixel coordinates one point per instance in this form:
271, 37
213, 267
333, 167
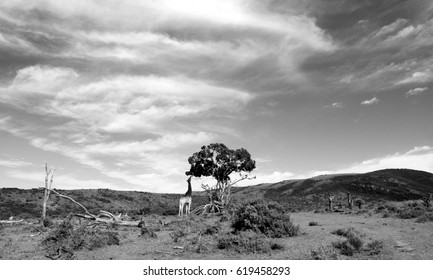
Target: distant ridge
389, 184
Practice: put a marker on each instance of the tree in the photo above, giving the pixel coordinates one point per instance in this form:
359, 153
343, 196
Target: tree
220, 162
48, 188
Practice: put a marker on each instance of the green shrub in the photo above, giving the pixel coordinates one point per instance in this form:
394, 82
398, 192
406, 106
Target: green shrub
263, 217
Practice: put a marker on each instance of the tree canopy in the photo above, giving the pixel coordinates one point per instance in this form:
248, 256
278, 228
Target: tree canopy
218, 161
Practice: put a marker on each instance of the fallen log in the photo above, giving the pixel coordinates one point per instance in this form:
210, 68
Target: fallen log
96, 220
11, 221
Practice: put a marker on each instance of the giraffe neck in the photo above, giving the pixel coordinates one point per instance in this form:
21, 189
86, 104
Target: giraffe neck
189, 192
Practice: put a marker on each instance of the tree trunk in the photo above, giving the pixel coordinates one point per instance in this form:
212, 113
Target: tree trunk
47, 191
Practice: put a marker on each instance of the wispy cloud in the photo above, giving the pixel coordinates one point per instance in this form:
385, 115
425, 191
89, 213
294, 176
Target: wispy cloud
13, 163
372, 101
335, 105
60, 181
416, 91
417, 77
419, 158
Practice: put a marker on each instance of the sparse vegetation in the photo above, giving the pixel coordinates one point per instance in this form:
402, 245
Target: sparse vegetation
353, 243
244, 230
62, 241
247, 242
325, 253
425, 217
177, 235
374, 247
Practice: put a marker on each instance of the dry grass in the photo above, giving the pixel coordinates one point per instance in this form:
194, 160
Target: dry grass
202, 237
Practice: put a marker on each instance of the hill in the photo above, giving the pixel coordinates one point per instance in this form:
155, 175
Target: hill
28, 203
387, 184
306, 194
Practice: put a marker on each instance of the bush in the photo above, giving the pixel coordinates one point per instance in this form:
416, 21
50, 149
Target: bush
64, 239
374, 247
177, 235
47, 222
352, 244
409, 213
210, 230
346, 232
426, 217
312, 224
148, 233
247, 242
263, 217
324, 253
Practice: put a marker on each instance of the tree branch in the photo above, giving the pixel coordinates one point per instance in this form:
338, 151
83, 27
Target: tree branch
79, 204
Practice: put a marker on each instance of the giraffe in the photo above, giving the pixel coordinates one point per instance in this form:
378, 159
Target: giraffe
186, 199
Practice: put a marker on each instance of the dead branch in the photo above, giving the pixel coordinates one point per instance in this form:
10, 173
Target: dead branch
33, 235
71, 199
11, 221
112, 219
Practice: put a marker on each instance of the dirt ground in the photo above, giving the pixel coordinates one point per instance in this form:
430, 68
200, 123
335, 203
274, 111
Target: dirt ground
402, 239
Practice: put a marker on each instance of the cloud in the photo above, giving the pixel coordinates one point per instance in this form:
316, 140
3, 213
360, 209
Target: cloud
418, 158
42, 79
335, 105
124, 103
171, 141
274, 177
390, 29
82, 120
416, 91
61, 181
417, 77
372, 101
13, 163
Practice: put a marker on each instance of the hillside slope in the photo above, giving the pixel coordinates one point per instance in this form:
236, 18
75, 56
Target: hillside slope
388, 184
307, 194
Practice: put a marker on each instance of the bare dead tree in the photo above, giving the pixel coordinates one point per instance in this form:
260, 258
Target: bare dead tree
349, 201
330, 200
48, 188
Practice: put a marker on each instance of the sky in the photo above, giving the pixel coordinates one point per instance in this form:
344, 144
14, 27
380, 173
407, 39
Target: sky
119, 93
